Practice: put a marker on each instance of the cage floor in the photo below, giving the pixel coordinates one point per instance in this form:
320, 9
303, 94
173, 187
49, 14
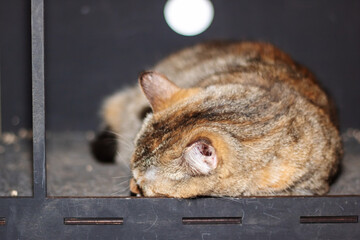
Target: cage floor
72, 171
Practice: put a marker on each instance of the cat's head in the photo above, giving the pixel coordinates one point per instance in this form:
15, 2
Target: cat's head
179, 151
181, 148
215, 141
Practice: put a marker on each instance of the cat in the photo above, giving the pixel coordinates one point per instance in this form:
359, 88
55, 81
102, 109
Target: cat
226, 119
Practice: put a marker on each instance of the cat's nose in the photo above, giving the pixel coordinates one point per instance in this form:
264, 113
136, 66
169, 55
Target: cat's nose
135, 188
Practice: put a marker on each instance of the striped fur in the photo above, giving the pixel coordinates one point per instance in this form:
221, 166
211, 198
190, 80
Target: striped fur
271, 125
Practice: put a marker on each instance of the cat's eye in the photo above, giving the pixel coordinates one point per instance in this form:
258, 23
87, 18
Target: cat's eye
200, 157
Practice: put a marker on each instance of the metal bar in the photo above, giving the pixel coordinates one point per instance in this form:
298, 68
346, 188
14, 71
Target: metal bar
328, 219
38, 98
2, 221
93, 221
211, 220
0, 97
278, 215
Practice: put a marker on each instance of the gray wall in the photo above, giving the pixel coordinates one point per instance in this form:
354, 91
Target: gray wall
96, 47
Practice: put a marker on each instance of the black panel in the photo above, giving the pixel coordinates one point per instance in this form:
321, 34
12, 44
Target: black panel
95, 47
15, 65
159, 218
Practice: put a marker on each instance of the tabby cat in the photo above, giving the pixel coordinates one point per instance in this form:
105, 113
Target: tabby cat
227, 119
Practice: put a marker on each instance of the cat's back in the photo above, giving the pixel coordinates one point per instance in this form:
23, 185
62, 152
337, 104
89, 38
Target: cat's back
265, 116
259, 67
249, 63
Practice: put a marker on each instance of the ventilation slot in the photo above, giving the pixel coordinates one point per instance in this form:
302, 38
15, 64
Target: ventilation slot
328, 219
211, 220
93, 221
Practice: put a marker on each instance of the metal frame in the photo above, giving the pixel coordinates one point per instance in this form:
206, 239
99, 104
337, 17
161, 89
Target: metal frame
44, 217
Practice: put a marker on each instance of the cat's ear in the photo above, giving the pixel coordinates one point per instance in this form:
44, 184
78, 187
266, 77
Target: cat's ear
200, 157
157, 88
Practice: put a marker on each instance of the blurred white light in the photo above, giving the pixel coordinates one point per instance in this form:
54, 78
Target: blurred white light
188, 17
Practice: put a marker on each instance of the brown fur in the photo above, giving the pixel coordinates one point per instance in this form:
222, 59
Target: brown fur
271, 125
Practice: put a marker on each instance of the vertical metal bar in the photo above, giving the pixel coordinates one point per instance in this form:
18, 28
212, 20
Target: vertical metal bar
0, 95
38, 98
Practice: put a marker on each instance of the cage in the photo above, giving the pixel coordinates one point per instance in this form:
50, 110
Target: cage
53, 82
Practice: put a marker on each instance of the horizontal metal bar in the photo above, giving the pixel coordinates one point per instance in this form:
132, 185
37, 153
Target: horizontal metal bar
93, 221
328, 219
211, 220
2, 221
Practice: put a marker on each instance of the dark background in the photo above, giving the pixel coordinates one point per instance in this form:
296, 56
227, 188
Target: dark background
95, 47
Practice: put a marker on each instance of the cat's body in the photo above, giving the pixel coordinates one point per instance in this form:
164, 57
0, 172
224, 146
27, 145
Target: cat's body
242, 119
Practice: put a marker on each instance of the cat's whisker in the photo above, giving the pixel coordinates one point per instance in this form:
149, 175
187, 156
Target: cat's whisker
126, 144
122, 161
121, 177
126, 189
122, 183
123, 139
